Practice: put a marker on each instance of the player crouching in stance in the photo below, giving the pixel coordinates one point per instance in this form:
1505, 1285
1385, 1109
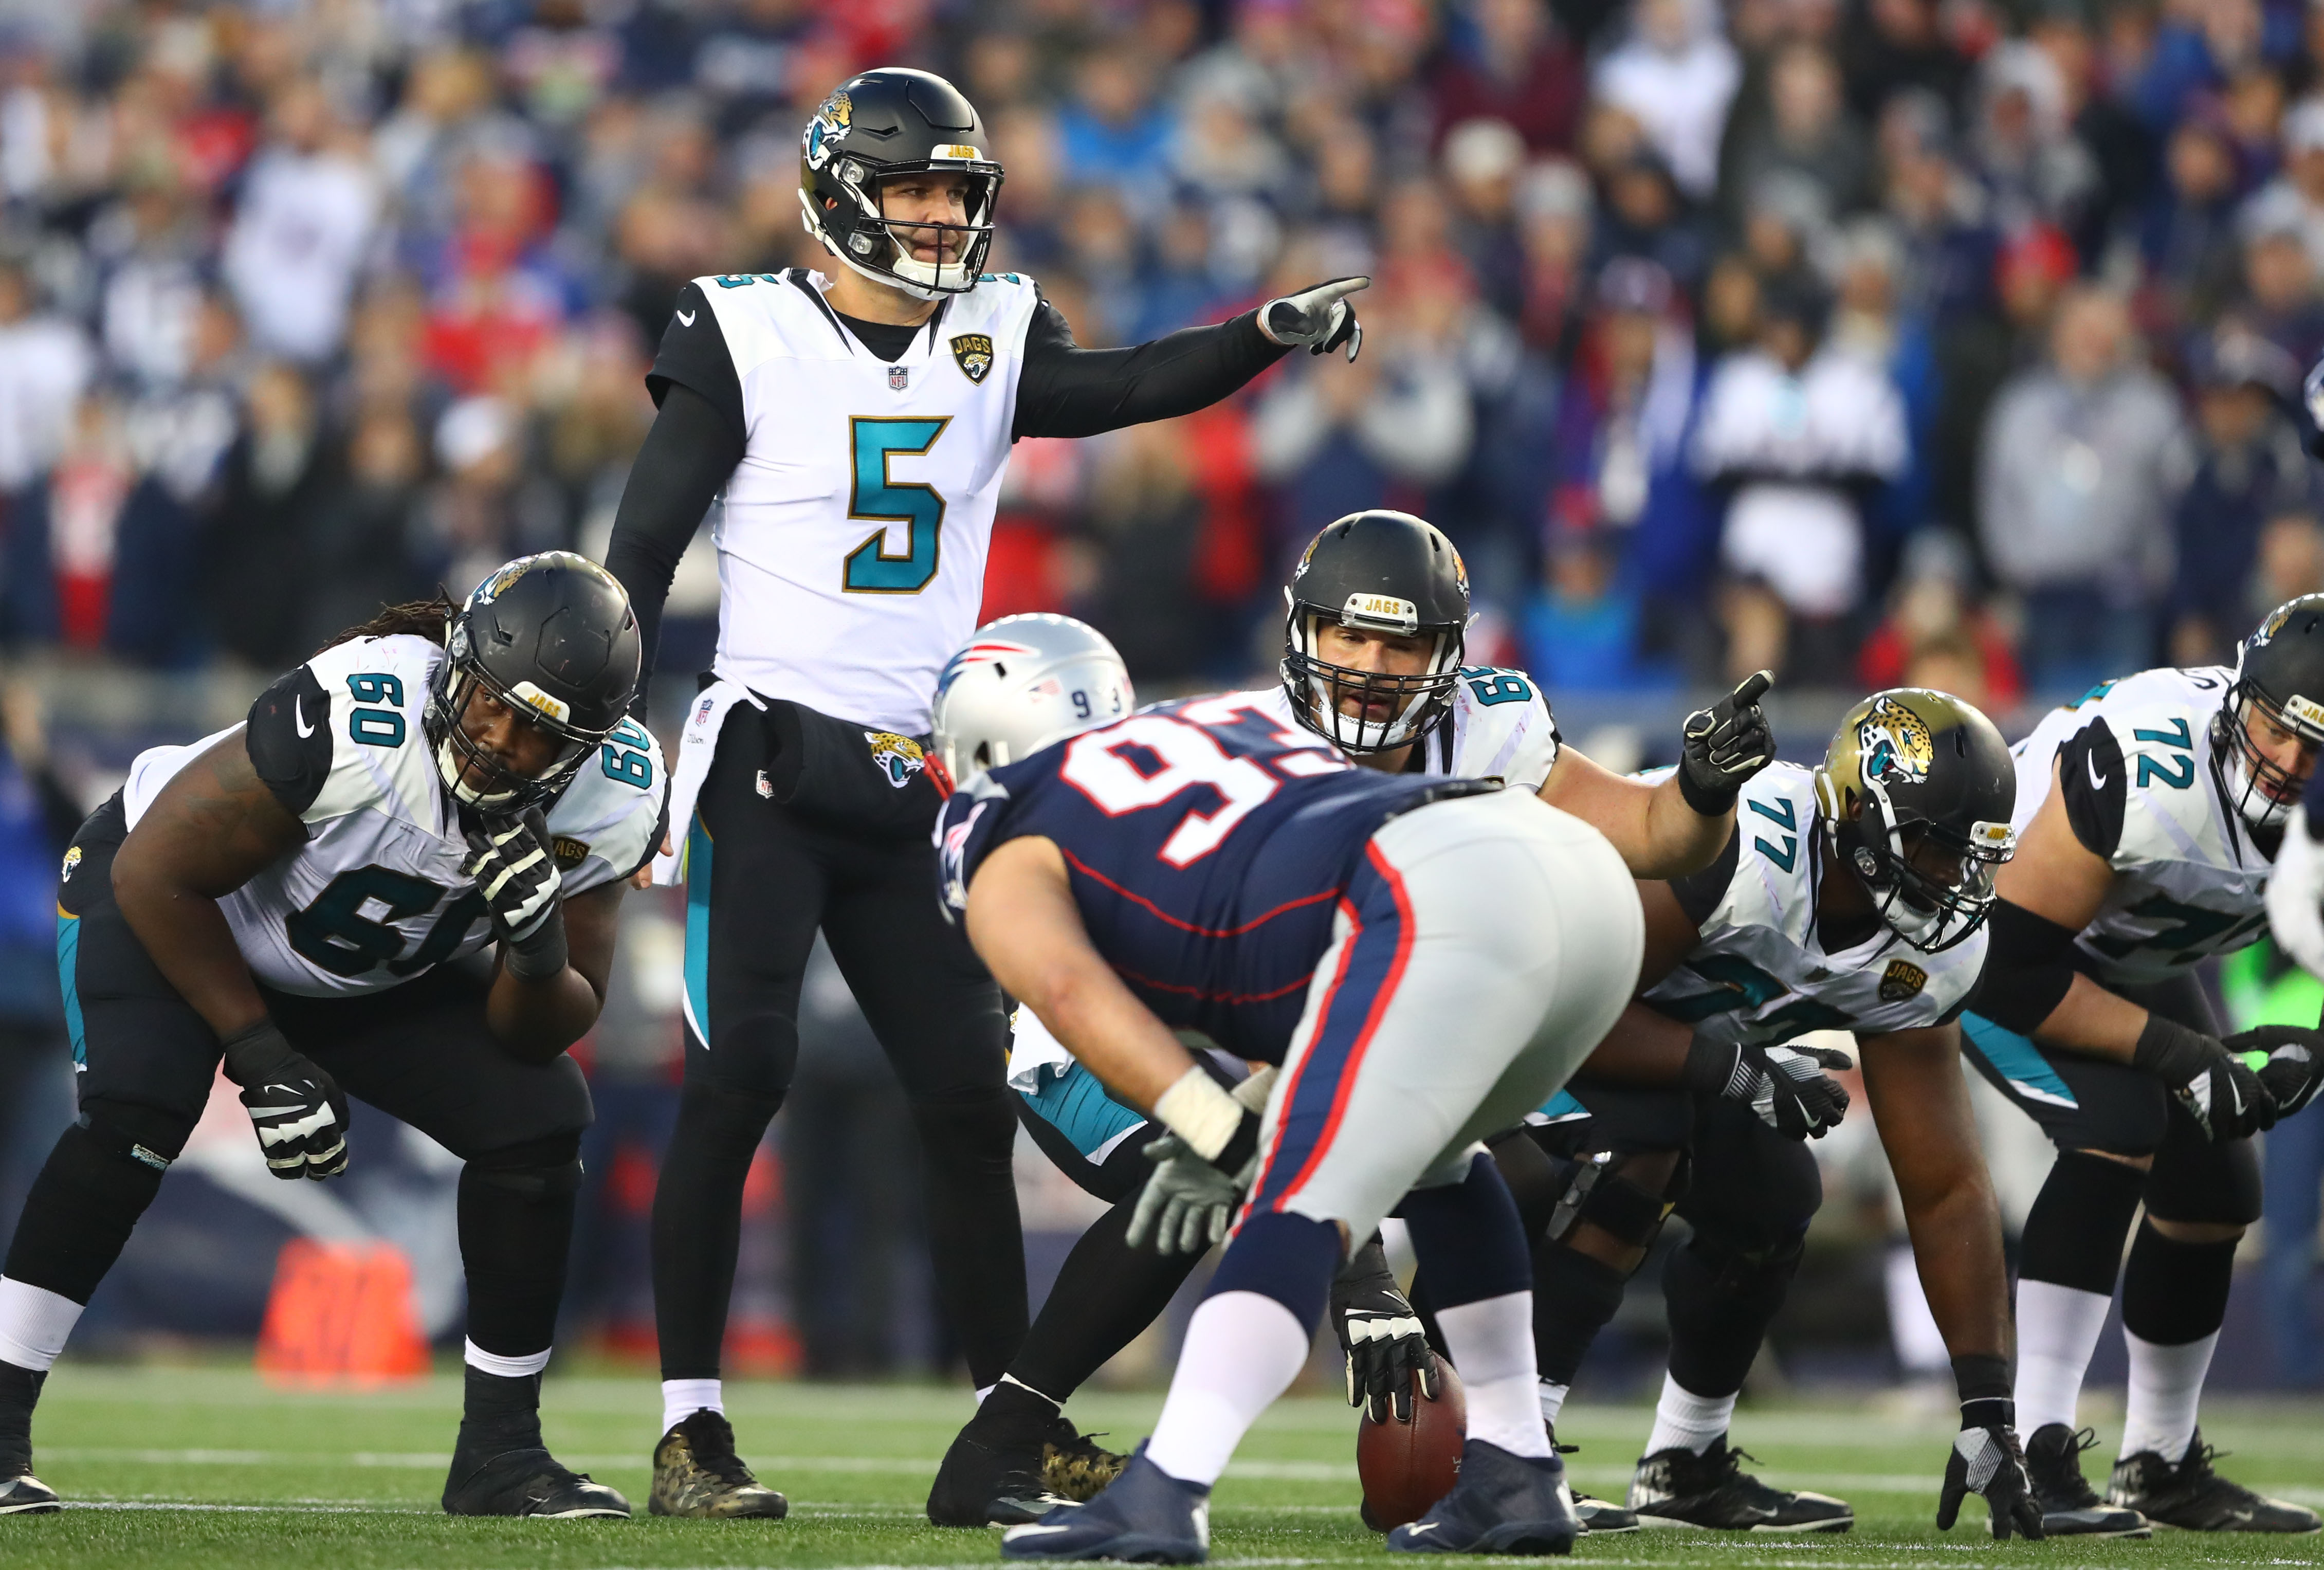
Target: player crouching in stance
1852, 897
310, 896
2149, 815
1202, 866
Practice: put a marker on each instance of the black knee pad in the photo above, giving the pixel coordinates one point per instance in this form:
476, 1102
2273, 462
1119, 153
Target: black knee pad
146, 1135
549, 1167
2202, 1182
971, 1128
1602, 1196
1747, 1266
105, 1170
721, 1120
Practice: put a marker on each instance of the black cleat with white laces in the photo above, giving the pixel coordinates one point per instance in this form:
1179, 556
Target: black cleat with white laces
1597, 1515
695, 1472
2071, 1507
528, 1481
1678, 1488
2192, 1497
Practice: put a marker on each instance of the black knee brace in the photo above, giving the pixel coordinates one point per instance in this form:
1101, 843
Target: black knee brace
1720, 1300
549, 1167
2218, 1184
2075, 1231
1600, 1194
104, 1172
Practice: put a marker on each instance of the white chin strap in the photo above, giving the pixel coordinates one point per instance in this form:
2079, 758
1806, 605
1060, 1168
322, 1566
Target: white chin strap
913, 277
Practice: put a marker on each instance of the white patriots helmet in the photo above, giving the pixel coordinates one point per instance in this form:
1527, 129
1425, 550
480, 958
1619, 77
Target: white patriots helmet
1019, 684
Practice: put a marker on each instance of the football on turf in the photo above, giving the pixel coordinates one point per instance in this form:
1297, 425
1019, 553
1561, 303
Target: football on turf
1406, 1467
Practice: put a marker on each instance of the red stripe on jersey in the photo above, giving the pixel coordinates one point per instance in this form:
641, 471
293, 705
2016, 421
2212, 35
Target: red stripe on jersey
1160, 914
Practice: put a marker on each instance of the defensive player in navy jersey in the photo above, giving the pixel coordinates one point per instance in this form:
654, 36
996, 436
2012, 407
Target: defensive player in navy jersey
1202, 866
854, 426
1374, 626
313, 898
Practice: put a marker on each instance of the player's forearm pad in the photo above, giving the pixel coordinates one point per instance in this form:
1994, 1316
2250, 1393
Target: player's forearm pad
2029, 971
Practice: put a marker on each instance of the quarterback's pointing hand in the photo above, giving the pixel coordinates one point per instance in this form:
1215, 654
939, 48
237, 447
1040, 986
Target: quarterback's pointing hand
1318, 319
298, 1111
516, 874
1722, 746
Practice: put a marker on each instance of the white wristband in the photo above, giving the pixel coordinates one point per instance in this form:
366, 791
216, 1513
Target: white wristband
1254, 1091
1199, 1112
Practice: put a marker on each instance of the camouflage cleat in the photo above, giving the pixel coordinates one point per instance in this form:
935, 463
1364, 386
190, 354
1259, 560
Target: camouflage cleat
1076, 1466
697, 1473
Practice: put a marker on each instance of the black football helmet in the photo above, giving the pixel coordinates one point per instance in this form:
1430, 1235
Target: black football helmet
1381, 572
551, 635
1908, 766
890, 122
2279, 682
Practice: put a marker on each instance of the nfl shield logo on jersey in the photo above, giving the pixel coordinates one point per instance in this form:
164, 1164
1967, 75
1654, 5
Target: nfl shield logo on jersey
898, 375
974, 352
1902, 982
897, 757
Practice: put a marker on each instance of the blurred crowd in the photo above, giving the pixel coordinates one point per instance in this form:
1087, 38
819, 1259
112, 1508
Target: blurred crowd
1955, 341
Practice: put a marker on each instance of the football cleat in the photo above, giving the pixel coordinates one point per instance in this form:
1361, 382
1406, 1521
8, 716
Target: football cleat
695, 1472
2189, 1495
1678, 1488
2071, 1507
1075, 1465
1145, 1516
28, 1496
1596, 1515
1503, 1504
529, 1482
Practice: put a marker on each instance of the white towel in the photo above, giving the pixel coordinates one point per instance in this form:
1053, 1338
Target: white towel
697, 744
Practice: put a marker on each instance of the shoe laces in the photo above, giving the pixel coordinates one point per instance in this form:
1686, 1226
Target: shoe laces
2068, 1482
716, 1457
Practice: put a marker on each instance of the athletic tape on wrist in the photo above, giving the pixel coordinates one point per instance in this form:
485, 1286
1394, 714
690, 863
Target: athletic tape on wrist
1199, 1112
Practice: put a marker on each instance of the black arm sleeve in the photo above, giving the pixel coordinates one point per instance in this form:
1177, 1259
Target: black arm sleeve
680, 471
2096, 785
289, 739
1068, 391
1698, 893
2029, 964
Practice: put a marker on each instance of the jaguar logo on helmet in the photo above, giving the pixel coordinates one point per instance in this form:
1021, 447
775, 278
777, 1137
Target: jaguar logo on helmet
973, 352
1902, 982
72, 860
833, 118
2270, 627
897, 757
1894, 744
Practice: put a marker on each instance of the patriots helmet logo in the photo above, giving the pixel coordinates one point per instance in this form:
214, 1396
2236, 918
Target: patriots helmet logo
977, 653
1895, 744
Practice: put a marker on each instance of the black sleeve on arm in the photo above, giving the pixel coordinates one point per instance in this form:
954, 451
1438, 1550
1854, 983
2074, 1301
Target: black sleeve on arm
694, 354
686, 460
1698, 893
2095, 784
1065, 390
289, 739
2029, 964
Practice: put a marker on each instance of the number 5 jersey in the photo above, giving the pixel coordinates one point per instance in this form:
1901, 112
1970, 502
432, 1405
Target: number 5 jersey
376, 896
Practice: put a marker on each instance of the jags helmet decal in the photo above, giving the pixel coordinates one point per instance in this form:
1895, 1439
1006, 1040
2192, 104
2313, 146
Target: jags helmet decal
2270, 627
897, 757
833, 118
1896, 744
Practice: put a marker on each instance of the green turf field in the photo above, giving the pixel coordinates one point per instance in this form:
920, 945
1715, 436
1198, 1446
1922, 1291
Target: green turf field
209, 1467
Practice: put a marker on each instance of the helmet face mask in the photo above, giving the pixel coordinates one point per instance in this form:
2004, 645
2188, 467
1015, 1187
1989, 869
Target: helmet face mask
914, 123
2272, 709
1392, 575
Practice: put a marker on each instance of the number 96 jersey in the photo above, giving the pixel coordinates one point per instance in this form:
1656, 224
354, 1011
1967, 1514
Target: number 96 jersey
2133, 763
376, 896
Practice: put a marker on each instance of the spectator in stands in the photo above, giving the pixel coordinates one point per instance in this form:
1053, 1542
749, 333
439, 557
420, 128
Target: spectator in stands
2188, 235
1553, 219
2279, 299
1512, 62
1483, 159
2294, 202
1580, 629
1114, 133
45, 362
1931, 616
2083, 459
300, 231
1675, 74
1808, 132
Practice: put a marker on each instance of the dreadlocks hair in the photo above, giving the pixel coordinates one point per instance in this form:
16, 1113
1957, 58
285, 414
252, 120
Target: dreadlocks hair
421, 618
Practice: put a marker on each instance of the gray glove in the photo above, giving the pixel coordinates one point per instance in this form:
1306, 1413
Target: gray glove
1318, 319
1188, 1204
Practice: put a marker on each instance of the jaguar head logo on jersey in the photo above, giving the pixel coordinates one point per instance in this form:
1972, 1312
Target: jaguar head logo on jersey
72, 860
1894, 743
973, 353
833, 118
897, 757
1902, 982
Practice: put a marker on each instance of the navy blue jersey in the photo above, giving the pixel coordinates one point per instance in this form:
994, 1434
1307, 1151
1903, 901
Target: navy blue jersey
1208, 847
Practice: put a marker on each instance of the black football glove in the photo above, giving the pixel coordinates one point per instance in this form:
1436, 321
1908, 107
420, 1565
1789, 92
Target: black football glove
1318, 319
1988, 1460
1380, 1337
2221, 1092
1787, 1086
2292, 1066
298, 1111
516, 872
1722, 746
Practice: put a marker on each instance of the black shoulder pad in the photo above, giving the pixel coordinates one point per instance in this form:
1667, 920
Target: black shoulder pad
289, 739
1698, 893
694, 354
2096, 785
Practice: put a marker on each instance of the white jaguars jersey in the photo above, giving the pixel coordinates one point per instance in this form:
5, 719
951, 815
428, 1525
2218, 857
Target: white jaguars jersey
853, 542
376, 895
1500, 728
1760, 975
2134, 762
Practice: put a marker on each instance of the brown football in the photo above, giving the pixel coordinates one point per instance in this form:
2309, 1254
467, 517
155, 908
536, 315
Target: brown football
1406, 1467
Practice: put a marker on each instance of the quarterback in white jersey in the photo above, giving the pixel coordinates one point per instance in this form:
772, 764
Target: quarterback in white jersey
305, 897
1373, 636
2149, 815
854, 424
1851, 897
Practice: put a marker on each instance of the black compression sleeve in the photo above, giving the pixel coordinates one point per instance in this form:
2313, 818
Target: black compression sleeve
1065, 390
1698, 893
2028, 968
687, 456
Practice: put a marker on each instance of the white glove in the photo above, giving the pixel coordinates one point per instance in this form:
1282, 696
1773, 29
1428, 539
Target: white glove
1318, 319
2295, 895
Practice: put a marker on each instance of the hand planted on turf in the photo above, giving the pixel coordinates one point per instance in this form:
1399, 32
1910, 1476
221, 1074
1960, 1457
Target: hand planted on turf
2292, 1065
1792, 1093
1186, 1204
515, 870
299, 1112
1380, 1337
1990, 1461
1318, 319
1722, 746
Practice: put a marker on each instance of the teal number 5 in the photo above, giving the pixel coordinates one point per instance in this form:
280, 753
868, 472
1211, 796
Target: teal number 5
875, 498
